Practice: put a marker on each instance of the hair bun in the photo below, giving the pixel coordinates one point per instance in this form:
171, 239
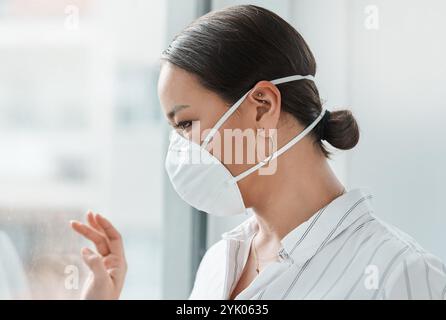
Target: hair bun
341, 130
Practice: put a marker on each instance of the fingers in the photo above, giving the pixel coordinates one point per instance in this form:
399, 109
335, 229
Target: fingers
112, 261
93, 235
91, 220
102, 233
109, 229
114, 237
94, 262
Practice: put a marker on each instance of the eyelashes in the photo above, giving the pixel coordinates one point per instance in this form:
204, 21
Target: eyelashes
183, 125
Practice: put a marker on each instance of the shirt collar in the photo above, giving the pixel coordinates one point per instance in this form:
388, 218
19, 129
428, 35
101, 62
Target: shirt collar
311, 236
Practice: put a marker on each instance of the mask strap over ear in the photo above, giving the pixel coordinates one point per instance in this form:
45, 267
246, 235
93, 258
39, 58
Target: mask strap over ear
283, 149
231, 110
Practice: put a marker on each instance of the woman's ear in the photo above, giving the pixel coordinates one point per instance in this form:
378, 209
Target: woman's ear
266, 98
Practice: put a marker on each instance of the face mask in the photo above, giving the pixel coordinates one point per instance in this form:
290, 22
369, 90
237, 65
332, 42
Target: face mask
203, 181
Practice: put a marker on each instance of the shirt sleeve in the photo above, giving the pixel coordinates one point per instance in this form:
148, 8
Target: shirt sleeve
208, 273
419, 276
196, 293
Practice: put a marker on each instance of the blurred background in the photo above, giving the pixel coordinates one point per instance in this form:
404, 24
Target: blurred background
81, 128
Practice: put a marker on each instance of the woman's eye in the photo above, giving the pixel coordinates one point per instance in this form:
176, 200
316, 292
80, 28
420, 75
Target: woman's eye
184, 125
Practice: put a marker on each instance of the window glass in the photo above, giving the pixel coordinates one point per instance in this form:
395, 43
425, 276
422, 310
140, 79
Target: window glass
80, 128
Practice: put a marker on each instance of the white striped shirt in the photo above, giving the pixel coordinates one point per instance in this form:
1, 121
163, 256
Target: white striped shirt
342, 252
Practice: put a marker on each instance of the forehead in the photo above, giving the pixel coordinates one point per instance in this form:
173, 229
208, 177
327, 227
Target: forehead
171, 74
177, 87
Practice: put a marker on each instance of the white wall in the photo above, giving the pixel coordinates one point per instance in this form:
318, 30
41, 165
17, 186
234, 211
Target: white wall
397, 87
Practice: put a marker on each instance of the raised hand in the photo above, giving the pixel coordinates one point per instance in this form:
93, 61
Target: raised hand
108, 265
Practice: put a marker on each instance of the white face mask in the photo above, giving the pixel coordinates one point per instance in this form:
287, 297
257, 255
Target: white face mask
207, 184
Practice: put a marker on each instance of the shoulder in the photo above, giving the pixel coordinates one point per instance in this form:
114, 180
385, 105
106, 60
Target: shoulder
212, 259
417, 275
215, 253
209, 274
405, 269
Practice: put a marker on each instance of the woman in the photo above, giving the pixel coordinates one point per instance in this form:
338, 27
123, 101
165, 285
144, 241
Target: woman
308, 238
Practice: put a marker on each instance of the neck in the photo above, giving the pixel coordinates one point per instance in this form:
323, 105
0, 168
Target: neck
302, 184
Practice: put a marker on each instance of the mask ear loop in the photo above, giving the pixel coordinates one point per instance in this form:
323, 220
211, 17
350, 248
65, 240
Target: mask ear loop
285, 148
270, 157
229, 113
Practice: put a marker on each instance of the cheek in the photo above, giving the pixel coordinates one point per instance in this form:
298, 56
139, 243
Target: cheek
238, 146
230, 146
240, 159
207, 117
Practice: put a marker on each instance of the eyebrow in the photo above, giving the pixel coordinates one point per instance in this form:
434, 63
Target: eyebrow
175, 110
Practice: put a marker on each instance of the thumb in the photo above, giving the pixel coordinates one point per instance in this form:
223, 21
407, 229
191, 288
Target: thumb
94, 262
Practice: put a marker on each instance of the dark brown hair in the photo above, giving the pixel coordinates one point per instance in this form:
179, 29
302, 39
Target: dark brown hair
231, 50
